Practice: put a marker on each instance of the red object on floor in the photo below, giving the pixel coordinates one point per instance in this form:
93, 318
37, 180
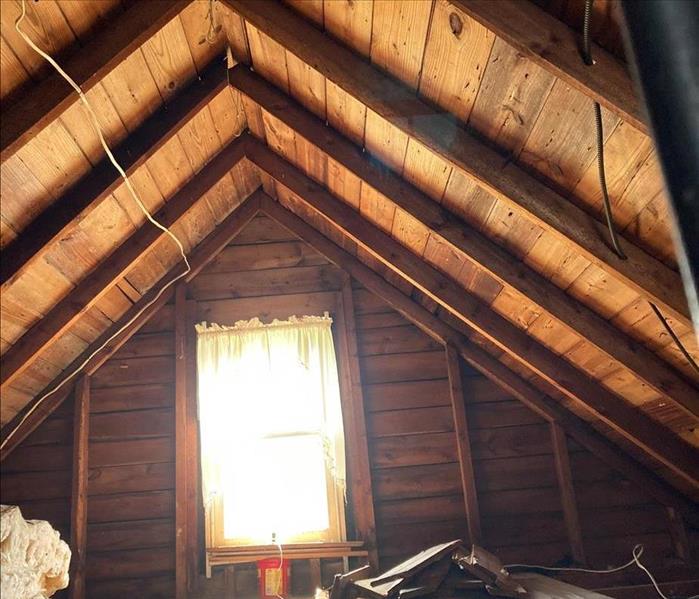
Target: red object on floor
274, 582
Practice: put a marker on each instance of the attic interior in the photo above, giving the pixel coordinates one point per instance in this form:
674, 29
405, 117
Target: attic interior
402, 318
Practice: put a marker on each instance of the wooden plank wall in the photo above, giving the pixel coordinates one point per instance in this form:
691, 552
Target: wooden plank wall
412, 444
131, 503
418, 496
37, 475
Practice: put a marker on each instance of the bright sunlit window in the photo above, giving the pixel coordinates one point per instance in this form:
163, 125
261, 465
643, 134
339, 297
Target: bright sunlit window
272, 443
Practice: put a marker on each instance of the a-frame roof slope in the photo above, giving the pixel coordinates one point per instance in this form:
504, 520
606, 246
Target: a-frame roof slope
462, 165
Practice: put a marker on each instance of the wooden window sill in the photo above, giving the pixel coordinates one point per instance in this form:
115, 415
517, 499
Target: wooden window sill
217, 556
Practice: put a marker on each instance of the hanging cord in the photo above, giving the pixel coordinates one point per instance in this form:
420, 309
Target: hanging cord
636, 554
589, 61
134, 195
280, 574
214, 29
674, 337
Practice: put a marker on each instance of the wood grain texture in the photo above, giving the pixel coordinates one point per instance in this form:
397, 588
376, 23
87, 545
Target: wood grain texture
96, 186
181, 388
399, 31
471, 244
468, 481
506, 181
119, 39
565, 485
456, 57
79, 507
554, 46
357, 439
480, 360
636, 426
110, 341
120, 262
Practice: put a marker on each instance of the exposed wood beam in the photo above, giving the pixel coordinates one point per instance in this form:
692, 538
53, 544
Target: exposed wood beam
193, 499
33, 414
181, 528
654, 439
315, 573
88, 65
565, 486
103, 179
78, 498
21, 355
547, 408
678, 534
490, 170
463, 445
484, 252
555, 47
358, 444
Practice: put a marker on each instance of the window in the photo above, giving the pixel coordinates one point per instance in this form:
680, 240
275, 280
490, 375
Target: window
273, 463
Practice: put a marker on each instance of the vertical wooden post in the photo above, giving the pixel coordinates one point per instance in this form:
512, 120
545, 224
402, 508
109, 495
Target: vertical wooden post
316, 581
195, 508
355, 426
565, 484
180, 443
678, 533
78, 508
463, 445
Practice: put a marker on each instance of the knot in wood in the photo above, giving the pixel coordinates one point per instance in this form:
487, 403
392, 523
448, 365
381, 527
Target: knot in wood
456, 24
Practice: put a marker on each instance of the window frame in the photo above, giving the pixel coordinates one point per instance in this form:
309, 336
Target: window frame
336, 533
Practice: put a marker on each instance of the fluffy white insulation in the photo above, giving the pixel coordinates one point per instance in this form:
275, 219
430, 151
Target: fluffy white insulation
34, 561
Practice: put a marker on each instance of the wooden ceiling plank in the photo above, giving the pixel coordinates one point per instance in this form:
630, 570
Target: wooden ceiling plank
460, 236
555, 47
647, 434
486, 364
95, 186
495, 173
97, 283
49, 98
33, 414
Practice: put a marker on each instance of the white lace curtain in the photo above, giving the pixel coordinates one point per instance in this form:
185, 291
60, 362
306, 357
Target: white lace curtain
258, 379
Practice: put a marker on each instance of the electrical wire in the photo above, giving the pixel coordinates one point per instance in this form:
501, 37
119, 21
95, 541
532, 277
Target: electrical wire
95, 123
674, 337
214, 29
636, 554
589, 61
280, 574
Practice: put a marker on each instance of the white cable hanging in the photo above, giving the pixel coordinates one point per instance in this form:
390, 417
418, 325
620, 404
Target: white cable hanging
636, 554
95, 123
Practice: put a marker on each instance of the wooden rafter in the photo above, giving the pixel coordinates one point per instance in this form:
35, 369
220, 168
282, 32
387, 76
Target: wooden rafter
20, 356
87, 66
436, 328
496, 174
653, 438
555, 47
103, 179
26, 421
484, 252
